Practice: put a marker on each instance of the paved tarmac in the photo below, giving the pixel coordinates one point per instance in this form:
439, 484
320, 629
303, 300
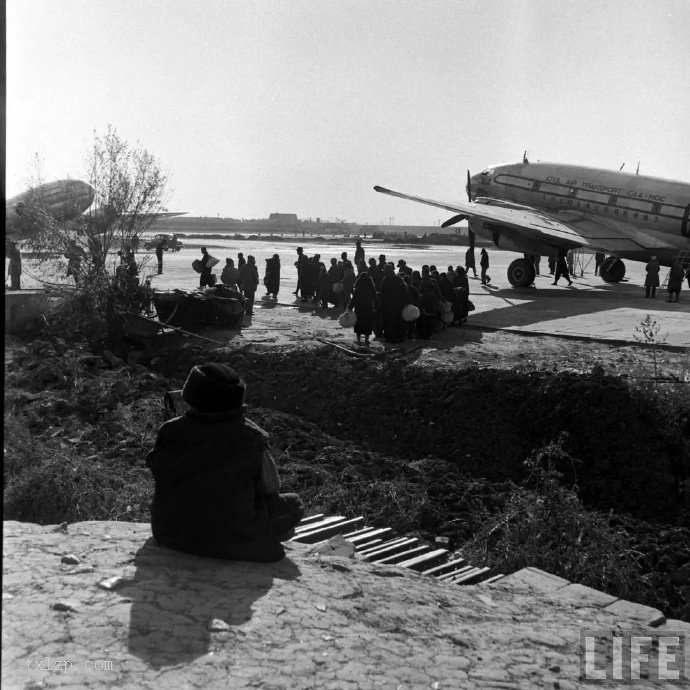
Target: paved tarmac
589, 309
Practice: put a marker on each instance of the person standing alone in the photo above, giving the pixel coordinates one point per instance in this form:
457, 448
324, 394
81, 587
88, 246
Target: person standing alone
160, 248
206, 278
14, 270
651, 282
484, 264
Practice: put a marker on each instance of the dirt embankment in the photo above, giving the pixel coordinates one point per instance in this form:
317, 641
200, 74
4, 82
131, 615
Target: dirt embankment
419, 448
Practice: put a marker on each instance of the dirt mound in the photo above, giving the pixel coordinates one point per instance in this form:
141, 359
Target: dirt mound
628, 454
418, 449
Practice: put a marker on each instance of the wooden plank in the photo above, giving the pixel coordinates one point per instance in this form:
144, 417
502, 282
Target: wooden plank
326, 532
311, 519
494, 578
371, 536
393, 548
470, 577
440, 569
389, 542
358, 533
373, 542
412, 563
401, 556
450, 575
320, 523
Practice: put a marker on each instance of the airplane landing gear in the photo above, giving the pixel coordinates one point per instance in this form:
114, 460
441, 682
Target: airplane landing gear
612, 270
521, 273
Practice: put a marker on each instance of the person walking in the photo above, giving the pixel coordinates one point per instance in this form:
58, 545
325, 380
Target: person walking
363, 304
206, 277
484, 264
14, 269
160, 248
675, 281
470, 262
651, 282
249, 275
561, 270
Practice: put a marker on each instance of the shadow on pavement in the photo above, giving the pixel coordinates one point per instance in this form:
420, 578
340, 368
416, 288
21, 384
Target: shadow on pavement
176, 596
508, 307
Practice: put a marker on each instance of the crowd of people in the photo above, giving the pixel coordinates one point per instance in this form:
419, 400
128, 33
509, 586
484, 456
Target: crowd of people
377, 291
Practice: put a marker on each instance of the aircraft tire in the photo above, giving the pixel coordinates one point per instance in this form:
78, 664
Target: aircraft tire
521, 273
612, 270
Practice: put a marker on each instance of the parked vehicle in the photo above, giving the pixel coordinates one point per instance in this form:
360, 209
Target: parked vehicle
172, 243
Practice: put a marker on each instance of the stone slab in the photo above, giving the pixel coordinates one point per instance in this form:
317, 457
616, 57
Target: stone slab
308, 621
646, 615
533, 578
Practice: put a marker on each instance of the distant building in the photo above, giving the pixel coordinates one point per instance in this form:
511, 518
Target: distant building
284, 220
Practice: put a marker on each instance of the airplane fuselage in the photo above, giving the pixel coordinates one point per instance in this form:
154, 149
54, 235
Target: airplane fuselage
63, 199
654, 212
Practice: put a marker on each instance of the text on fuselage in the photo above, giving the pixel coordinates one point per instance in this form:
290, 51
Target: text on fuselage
605, 189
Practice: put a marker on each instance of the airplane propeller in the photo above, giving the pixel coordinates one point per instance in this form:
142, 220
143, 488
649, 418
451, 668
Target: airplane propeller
470, 232
454, 220
462, 216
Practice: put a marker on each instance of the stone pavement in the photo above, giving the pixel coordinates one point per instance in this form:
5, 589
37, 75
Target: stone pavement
99, 604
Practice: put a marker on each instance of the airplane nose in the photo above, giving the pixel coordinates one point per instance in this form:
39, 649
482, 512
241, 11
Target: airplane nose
83, 190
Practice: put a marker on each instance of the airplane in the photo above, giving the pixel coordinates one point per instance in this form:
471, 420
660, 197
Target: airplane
550, 208
62, 199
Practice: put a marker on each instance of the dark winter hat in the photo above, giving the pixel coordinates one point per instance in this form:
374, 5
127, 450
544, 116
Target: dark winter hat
213, 387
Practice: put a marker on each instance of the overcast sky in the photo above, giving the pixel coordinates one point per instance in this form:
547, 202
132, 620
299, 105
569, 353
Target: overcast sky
301, 106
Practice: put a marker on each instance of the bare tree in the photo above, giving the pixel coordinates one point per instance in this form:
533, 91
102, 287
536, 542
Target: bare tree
129, 191
128, 194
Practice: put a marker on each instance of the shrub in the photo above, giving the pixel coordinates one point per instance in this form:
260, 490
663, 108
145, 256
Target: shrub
59, 488
544, 525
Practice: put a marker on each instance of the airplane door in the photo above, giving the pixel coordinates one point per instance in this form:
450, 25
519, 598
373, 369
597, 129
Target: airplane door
685, 225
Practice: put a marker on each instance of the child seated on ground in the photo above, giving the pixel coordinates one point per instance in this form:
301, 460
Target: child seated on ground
216, 484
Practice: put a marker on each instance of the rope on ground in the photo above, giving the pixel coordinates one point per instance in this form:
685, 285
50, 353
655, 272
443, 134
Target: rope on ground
177, 328
352, 353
